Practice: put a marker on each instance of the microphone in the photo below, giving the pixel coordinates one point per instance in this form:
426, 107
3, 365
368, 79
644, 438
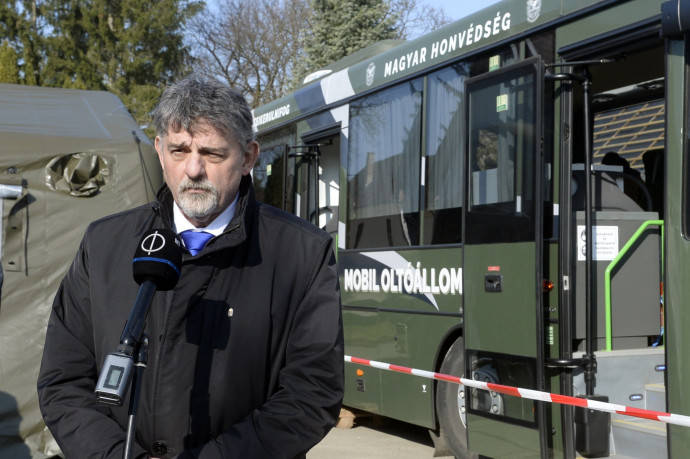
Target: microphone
156, 266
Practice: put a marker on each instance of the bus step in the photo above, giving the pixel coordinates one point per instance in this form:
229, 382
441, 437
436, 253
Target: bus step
637, 438
655, 397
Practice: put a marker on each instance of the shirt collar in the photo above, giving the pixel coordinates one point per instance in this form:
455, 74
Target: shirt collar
216, 227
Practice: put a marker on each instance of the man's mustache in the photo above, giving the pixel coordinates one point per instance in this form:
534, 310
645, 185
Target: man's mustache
196, 185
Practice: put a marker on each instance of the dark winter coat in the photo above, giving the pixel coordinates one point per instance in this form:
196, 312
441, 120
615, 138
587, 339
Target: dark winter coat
245, 356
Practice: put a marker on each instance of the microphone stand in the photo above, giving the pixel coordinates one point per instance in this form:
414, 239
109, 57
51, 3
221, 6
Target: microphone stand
140, 361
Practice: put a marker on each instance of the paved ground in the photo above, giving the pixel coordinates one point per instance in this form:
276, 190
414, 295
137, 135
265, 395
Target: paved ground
375, 438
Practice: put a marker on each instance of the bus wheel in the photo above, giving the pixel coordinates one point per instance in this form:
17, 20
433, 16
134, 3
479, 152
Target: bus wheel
450, 403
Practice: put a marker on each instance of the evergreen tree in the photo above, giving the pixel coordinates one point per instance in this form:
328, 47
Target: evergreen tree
132, 48
20, 25
341, 27
9, 68
129, 47
67, 47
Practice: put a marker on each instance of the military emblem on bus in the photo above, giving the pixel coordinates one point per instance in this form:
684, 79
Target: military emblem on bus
371, 71
533, 10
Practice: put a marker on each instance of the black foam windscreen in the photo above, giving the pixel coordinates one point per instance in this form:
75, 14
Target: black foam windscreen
158, 258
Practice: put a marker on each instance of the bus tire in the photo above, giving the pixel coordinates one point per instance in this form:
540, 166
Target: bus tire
449, 403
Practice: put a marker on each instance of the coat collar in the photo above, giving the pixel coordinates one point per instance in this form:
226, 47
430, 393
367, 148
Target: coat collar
238, 228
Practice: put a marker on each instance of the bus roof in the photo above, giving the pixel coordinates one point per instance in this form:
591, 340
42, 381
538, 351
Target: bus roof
503, 20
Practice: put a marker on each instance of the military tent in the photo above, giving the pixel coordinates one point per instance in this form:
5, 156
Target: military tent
67, 157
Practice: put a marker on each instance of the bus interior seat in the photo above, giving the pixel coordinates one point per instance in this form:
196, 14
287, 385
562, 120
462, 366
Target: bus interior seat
608, 195
653, 161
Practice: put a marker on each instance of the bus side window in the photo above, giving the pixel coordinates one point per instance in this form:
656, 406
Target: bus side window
502, 146
383, 170
270, 185
444, 159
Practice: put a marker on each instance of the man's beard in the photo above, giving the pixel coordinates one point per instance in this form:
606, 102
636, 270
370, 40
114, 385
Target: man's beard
195, 204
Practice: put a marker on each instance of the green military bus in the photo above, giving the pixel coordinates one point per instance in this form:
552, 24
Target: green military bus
462, 175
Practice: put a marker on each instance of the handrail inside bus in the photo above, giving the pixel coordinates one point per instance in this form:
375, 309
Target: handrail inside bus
614, 262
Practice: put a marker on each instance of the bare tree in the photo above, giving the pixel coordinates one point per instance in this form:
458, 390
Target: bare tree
251, 44
256, 45
415, 19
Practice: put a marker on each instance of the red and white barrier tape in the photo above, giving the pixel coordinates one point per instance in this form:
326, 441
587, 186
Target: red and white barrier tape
669, 418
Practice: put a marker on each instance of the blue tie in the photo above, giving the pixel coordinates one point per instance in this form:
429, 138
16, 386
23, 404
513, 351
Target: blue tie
195, 240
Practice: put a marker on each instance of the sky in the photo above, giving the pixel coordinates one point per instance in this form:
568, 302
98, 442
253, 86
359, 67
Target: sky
456, 9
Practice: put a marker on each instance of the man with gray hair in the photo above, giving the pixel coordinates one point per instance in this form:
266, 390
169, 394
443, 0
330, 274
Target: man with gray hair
246, 353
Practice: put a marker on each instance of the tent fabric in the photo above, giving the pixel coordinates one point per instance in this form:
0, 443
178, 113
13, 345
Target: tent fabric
79, 174
67, 157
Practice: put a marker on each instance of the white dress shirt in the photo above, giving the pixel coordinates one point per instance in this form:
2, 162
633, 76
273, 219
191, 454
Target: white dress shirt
216, 227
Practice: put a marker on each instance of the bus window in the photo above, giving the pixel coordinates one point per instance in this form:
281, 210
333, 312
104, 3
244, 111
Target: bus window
383, 168
444, 160
502, 145
632, 138
269, 171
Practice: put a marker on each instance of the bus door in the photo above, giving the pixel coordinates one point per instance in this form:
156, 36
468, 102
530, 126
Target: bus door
610, 309
503, 316
316, 181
